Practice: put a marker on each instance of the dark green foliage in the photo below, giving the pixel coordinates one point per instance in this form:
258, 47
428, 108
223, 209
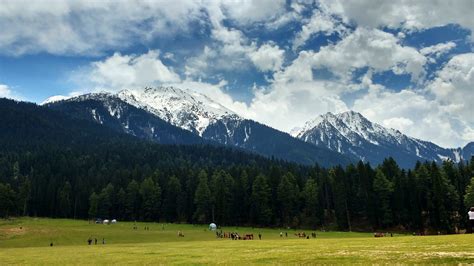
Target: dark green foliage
93, 205
469, 196
7, 200
203, 200
174, 200
65, 201
151, 198
260, 205
383, 189
81, 170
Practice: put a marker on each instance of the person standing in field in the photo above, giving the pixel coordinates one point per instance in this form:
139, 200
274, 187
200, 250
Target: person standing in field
471, 220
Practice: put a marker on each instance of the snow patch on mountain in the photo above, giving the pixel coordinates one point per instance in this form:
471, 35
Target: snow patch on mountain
352, 133
183, 108
55, 98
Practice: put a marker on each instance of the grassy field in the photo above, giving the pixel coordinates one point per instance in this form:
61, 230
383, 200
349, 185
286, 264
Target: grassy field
30, 245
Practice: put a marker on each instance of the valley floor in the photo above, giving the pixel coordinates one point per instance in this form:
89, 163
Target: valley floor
26, 241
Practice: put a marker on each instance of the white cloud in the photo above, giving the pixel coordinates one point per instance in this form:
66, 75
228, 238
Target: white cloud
435, 51
438, 49
89, 27
371, 48
287, 105
416, 114
232, 50
5, 91
86, 27
128, 71
250, 11
410, 15
268, 57
454, 86
319, 23
400, 123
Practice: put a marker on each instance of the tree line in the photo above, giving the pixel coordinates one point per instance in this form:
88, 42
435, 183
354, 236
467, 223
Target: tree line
202, 184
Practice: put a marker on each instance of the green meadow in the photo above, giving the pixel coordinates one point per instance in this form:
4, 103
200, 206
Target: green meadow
27, 241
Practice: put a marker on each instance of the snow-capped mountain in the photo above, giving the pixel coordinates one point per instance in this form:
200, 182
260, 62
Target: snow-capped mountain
198, 115
183, 108
109, 110
352, 134
201, 115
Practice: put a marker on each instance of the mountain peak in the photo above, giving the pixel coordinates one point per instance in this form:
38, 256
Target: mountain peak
352, 133
184, 108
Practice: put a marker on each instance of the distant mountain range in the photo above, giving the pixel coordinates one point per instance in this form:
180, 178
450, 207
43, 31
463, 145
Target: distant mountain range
172, 115
352, 134
157, 114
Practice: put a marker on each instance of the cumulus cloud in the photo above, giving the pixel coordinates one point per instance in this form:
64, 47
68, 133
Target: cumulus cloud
129, 71
320, 22
376, 49
438, 49
454, 86
5, 91
232, 50
287, 105
86, 27
268, 57
416, 114
409, 15
250, 11
119, 72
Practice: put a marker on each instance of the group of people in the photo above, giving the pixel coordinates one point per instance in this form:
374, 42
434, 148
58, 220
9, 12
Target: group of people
89, 241
236, 236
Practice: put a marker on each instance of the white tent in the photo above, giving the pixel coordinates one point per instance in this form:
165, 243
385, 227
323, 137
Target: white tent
212, 226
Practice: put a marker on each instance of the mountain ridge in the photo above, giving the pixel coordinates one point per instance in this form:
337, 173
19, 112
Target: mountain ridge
202, 117
351, 133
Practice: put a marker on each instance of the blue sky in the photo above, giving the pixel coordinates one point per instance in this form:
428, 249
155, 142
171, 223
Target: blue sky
279, 62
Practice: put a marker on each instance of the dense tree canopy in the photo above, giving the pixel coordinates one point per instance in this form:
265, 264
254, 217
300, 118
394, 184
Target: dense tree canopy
79, 170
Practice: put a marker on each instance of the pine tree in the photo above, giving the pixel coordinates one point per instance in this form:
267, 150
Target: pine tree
7, 200
383, 190
260, 207
151, 196
173, 201
311, 203
342, 195
221, 184
65, 202
287, 196
24, 194
106, 201
469, 196
93, 205
241, 198
120, 204
445, 200
132, 202
202, 200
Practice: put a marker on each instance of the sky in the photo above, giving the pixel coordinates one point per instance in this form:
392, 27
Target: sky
407, 65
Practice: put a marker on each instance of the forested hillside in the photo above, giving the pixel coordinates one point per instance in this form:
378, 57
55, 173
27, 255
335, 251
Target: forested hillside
55, 166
